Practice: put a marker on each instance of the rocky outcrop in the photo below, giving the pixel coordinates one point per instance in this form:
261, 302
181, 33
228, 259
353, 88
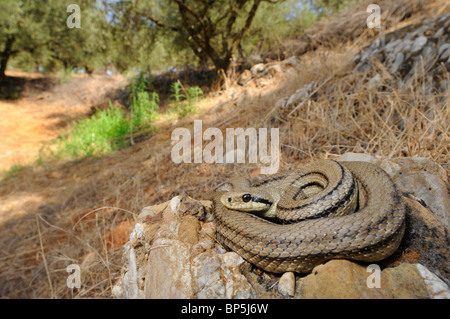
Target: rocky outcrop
172, 252
261, 70
421, 49
419, 52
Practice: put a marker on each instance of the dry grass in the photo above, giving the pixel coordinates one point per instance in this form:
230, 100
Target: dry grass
64, 213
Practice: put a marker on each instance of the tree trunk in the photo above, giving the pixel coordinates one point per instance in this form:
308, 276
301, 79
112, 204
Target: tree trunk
5, 55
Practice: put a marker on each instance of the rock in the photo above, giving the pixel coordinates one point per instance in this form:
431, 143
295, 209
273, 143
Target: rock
236, 284
268, 70
286, 285
301, 94
404, 282
355, 281
418, 44
427, 181
423, 46
425, 241
437, 289
130, 281
168, 271
339, 279
172, 252
175, 256
258, 70
357, 157
245, 77
375, 82
444, 52
397, 63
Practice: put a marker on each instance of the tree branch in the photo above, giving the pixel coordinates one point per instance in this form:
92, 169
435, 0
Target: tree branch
159, 23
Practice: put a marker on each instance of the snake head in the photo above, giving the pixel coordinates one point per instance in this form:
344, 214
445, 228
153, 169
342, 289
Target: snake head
245, 201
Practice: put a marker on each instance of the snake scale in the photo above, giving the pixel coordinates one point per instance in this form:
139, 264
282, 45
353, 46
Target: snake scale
296, 220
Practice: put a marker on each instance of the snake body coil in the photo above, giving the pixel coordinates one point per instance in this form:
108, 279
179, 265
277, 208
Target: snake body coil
310, 216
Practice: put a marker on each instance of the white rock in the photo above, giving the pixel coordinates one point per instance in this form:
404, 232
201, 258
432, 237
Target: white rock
168, 274
286, 285
357, 157
418, 44
137, 232
398, 62
437, 289
232, 260
131, 278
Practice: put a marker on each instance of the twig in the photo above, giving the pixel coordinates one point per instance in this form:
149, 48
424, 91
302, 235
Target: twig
52, 293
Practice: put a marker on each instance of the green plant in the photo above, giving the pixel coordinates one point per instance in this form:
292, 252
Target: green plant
14, 170
177, 95
185, 103
144, 106
194, 95
111, 129
104, 132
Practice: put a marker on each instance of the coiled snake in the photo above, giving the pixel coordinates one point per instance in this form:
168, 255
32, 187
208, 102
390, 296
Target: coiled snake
309, 216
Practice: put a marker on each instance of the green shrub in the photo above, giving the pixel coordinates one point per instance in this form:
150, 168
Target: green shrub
111, 129
185, 103
102, 133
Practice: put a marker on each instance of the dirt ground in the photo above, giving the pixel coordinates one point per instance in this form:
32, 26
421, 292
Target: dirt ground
42, 111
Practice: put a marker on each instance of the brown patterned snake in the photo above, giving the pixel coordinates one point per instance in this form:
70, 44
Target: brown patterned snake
309, 216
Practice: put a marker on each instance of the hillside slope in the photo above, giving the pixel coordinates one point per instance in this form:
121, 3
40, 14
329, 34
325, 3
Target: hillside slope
80, 212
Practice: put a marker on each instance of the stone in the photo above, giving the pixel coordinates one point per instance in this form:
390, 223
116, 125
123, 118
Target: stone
206, 271
152, 213
397, 62
244, 78
437, 289
258, 70
357, 157
236, 284
301, 94
427, 181
423, 46
418, 44
130, 281
286, 285
444, 52
168, 273
375, 82
343, 279
404, 282
339, 279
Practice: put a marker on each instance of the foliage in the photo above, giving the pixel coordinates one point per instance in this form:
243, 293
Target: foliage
100, 134
144, 105
185, 100
14, 170
111, 129
35, 34
147, 36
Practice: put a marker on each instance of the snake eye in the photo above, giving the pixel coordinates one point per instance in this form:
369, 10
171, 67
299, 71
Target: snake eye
229, 199
246, 198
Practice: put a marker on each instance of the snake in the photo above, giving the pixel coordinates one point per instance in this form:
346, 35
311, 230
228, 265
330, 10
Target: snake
298, 219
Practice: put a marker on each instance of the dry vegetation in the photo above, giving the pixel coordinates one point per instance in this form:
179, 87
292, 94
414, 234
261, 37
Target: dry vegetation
63, 213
